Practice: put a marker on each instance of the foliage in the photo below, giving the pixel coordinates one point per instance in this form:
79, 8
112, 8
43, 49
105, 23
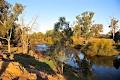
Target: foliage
39, 37
8, 15
117, 37
96, 29
78, 40
84, 21
62, 32
101, 47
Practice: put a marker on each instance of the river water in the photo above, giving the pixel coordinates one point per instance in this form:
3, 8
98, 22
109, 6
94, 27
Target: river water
99, 68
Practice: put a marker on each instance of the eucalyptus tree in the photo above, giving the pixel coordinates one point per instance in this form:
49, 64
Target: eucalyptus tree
62, 31
77, 30
114, 26
84, 21
8, 17
62, 37
96, 29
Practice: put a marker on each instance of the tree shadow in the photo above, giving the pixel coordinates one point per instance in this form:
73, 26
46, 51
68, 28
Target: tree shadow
29, 62
3, 67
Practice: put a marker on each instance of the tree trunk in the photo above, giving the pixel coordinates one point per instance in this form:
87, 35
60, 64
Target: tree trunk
113, 33
9, 51
25, 43
62, 68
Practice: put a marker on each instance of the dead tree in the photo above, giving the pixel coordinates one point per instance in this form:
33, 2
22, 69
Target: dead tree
113, 26
26, 30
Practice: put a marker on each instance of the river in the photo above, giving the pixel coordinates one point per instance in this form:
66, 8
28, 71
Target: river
98, 68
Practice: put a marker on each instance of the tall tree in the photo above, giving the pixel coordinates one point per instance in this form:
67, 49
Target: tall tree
62, 31
85, 22
25, 34
62, 34
114, 26
8, 15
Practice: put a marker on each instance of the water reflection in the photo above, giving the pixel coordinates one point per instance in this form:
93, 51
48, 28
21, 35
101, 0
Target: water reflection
96, 68
82, 65
79, 67
86, 68
116, 63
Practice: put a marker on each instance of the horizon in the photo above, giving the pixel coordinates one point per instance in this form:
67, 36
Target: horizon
49, 12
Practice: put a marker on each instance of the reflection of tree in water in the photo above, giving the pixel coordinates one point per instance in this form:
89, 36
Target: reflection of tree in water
104, 61
85, 67
86, 70
81, 69
116, 63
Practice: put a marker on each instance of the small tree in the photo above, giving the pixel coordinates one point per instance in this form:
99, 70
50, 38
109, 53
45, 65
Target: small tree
96, 29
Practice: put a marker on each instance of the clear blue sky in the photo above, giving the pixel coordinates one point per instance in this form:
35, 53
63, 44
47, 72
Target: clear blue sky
50, 10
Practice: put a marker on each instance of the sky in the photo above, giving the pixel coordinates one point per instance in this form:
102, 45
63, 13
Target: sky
48, 11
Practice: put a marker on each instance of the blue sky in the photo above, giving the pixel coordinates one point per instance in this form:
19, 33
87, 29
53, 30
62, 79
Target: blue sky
48, 11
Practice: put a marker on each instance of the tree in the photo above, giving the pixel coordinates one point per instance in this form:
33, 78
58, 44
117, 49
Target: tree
77, 31
114, 26
25, 34
49, 33
117, 37
8, 15
62, 31
85, 22
96, 29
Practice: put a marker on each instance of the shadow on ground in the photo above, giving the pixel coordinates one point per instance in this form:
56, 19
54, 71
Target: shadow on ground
29, 61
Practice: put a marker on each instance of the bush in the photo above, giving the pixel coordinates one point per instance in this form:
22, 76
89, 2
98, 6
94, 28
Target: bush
100, 47
78, 40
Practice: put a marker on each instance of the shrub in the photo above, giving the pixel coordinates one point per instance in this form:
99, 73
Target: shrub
78, 40
101, 47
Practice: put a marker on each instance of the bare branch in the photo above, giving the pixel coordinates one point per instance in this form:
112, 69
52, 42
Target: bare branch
4, 38
33, 20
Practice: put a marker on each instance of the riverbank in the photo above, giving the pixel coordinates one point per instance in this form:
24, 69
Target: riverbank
32, 68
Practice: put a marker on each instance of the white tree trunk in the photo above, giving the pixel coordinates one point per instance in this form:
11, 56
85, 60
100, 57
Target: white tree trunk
9, 50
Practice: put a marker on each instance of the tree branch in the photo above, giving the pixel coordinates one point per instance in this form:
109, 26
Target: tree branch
1, 22
33, 22
4, 38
